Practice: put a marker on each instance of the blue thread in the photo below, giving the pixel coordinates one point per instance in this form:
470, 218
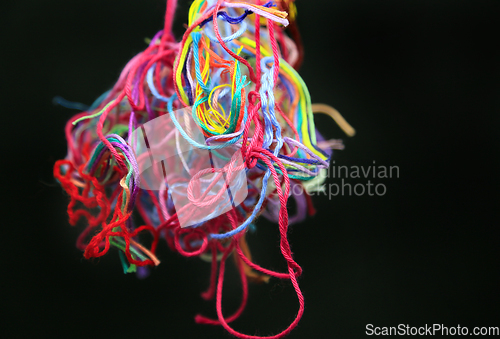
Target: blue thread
57, 100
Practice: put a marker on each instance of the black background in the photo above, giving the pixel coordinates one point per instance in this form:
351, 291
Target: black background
419, 80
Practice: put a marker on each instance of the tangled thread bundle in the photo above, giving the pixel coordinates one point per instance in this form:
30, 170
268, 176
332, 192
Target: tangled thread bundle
234, 73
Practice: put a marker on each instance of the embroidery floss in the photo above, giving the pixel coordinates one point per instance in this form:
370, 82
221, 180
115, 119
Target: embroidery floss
189, 138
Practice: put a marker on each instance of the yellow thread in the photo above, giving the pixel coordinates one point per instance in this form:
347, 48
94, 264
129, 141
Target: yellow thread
178, 74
